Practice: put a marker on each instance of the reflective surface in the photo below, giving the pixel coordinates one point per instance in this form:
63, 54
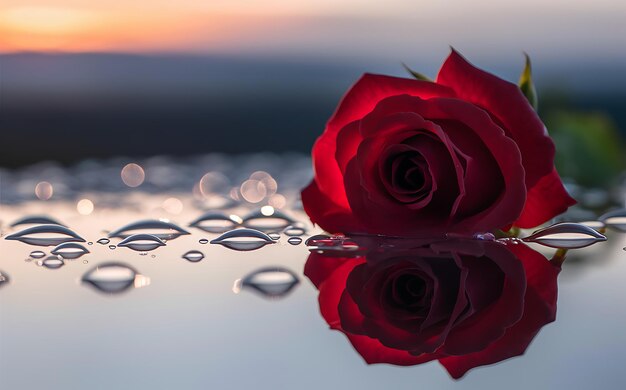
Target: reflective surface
131, 319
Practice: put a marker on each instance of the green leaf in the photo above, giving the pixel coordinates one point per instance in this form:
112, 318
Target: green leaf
526, 84
415, 74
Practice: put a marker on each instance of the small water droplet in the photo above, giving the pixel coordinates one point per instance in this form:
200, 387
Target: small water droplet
111, 278
274, 236
103, 241
111, 247
243, 239
277, 221
565, 235
36, 220
484, 236
294, 240
153, 256
203, 241
53, 262
294, 231
615, 220
90, 243
142, 242
37, 254
213, 222
45, 235
193, 256
4, 279
270, 282
69, 250
85, 261
161, 229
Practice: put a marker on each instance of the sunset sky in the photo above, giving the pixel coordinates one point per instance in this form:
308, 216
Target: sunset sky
347, 28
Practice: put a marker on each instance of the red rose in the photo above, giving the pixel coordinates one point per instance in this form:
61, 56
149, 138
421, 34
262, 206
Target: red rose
466, 303
406, 157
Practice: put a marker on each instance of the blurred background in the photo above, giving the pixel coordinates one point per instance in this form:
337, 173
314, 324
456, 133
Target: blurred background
94, 79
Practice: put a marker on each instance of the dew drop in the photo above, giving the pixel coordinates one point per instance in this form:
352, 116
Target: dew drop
69, 250
53, 262
567, 235
111, 247
37, 254
615, 220
36, 220
142, 242
103, 241
243, 239
111, 278
294, 240
193, 256
90, 243
203, 241
270, 282
213, 222
45, 235
276, 221
161, 229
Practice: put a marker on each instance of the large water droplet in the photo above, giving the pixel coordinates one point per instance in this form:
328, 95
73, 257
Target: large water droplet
45, 235
161, 229
213, 222
4, 279
567, 235
36, 220
103, 241
270, 282
111, 278
274, 222
52, 262
243, 239
615, 219
142, 242
37, 254
69, 250
193, 256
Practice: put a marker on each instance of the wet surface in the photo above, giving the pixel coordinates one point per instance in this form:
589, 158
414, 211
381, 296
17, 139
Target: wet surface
193, 313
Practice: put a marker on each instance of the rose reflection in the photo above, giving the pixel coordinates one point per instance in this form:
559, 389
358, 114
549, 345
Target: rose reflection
466, 303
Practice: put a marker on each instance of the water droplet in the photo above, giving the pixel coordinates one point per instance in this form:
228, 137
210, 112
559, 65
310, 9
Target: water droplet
37, 254
45, 235
161, 229
243, 239
69, 250
213, 222
111, 277
293, 231
90, 243
615, 219
153, 256
103, 241
111, 247
270, 282
274, 236
4, 279
277, 221
53, 262
294, 240
85, 261
142, 242
484, 236
203, 241
193, 256
566, 235
36, 220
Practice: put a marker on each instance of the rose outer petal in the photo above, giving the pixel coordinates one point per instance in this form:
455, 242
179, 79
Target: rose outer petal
326, 213
545, 200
